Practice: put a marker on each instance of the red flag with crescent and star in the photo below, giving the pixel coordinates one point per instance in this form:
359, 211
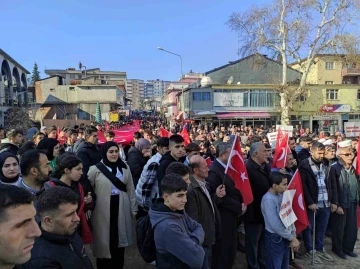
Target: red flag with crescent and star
164, 133
281, 152
236, 170
184, 133
298, 204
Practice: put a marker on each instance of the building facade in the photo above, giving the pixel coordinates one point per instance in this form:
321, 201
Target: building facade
135, 90
76, 102
13, 84
71, 74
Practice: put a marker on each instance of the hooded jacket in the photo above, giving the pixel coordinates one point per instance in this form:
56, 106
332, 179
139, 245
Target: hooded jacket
178, 238
9, 147
301, 153
58, 251
136, 162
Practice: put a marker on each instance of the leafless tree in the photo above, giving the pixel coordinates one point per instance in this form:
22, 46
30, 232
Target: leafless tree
296, 31
17, 118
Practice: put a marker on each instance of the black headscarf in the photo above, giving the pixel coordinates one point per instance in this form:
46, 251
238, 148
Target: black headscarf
119, 164
48, 145
3, 157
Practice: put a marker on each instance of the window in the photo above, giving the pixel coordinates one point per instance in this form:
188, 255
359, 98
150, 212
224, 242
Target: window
358, 94
262, 98
354, 116
107, 77
102, 77
329, 65
332, 94
79, 76
206, 96
196, 96
329, 82
72, 88
72, 76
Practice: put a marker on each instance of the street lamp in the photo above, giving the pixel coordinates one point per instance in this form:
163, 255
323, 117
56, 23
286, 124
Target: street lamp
182, 75
81, 66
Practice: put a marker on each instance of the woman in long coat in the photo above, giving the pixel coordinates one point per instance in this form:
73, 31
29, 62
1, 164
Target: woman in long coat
116, 204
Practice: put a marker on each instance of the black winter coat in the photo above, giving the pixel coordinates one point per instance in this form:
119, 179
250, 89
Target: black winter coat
58, 251
259, 181
198, 207
136, 162
310, 186
89, 155
338, 175
9, 147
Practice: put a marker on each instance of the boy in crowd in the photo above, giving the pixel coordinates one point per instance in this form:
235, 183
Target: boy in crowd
278, 238
178, 238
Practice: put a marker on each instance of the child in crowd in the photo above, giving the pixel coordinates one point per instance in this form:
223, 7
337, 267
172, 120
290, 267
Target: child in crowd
178, 238
278, 238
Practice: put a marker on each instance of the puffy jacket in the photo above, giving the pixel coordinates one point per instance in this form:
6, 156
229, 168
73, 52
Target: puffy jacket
136, 162
338, 174
143, 177
89, 155
58, 251
178, 238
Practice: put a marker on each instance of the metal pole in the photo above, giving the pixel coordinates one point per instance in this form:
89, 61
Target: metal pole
313, 241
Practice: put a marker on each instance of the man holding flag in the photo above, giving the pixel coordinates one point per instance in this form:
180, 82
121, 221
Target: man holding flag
230, 207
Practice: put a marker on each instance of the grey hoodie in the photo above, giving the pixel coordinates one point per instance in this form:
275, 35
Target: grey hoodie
178, 238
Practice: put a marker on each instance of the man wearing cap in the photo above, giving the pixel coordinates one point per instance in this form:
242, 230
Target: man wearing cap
344, 220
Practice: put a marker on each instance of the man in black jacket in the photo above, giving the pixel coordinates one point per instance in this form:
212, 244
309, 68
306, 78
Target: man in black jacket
59, 245
303, 149
176, 154
320, 200
344, 220
230, 208
201, 206
258, 173
89, 155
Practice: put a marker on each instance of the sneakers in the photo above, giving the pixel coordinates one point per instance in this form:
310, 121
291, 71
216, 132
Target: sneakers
324, 256
351, 254
309, 255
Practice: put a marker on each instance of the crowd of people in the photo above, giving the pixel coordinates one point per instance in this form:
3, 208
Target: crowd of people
62, 191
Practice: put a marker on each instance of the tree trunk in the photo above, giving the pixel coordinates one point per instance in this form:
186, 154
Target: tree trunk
284, 109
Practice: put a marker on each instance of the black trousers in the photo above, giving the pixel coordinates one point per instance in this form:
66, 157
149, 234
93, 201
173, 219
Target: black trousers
344, 229
255, 245
224, 250
117, 254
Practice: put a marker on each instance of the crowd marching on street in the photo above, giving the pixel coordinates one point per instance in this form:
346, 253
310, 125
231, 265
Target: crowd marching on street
190, 189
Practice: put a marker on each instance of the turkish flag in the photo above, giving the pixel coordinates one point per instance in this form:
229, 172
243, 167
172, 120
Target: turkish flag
208, 161
281, 152
185, 135
164, 133
236, 170
357, 158
279, 138
298, 204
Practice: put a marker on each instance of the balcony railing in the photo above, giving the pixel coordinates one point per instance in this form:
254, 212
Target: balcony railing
350, 72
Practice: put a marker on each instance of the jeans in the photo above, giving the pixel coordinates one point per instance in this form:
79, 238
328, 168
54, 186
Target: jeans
321, 221
254, 245
207, 251
277, 251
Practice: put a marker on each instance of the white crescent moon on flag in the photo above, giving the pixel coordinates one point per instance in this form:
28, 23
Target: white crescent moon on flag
235, 152
300, 201
282, 154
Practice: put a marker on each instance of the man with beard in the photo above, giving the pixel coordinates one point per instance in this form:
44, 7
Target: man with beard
60, 245
35, 170
320, 199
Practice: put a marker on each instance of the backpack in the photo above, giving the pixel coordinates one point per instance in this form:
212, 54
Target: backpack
145, 239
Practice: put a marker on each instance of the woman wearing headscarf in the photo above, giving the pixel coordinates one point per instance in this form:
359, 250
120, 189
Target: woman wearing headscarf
116, 204
9, 173
52, 149
137, 157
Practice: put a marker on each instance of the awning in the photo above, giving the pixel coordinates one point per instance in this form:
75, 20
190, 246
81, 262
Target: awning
248, 115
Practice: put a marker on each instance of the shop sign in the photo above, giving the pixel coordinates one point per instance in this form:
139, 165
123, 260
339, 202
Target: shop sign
352, 129
325, 117
329, 108
305, 118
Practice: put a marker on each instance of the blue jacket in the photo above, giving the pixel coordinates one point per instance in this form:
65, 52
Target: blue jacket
178, 238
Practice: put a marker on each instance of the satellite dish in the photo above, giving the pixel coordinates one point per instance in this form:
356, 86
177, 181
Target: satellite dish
238, 83
230, 80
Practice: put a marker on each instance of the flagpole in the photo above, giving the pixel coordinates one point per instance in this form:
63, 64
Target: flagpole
227, 165
313, 241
